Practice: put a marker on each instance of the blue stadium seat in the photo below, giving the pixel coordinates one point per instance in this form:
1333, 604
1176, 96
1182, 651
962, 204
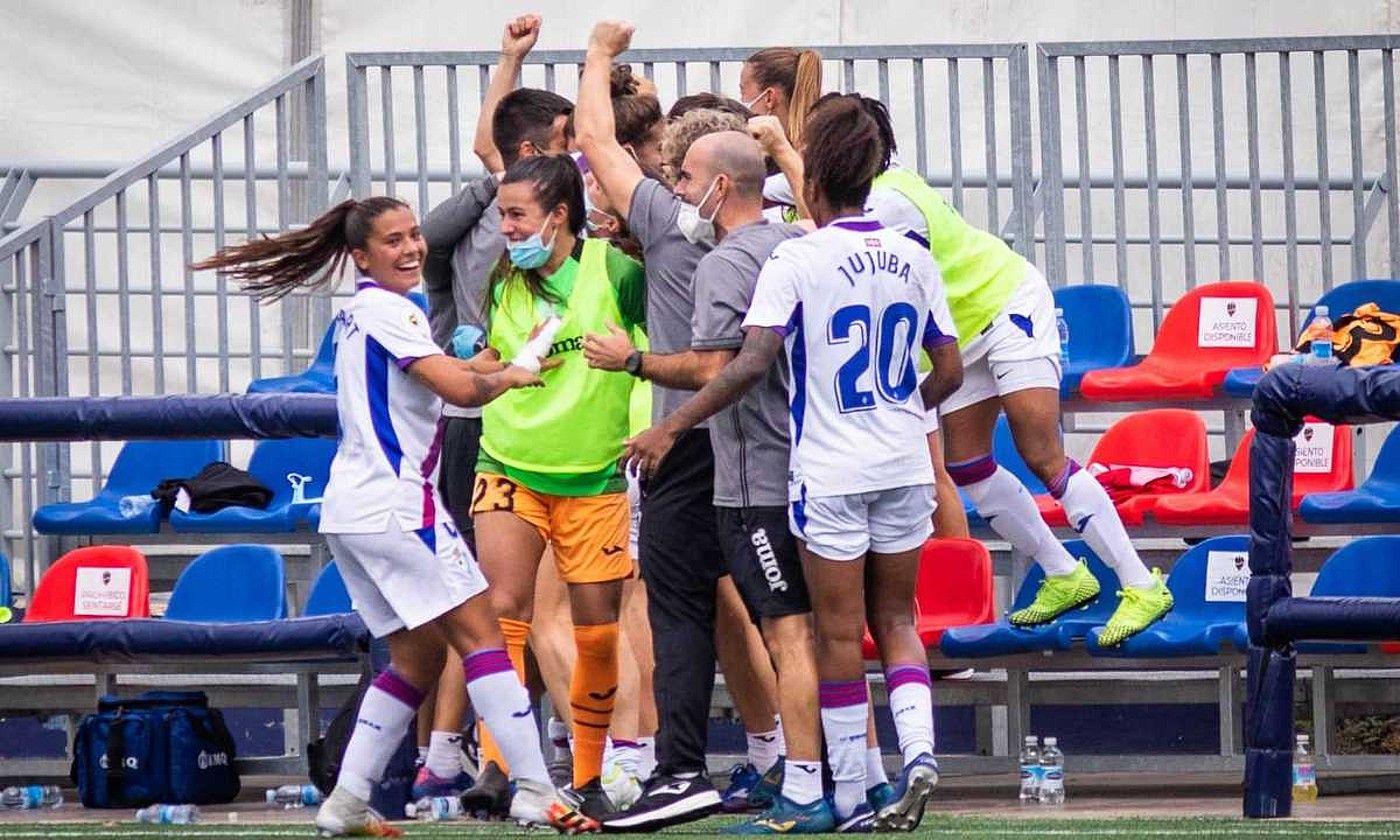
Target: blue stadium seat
1195, 626
328, 594
6, 596
1100, 323
282, 465
1342, 299
1004, 450
319, 376
231, 583
1367, 567
1002, 639
140, 466
1377, 499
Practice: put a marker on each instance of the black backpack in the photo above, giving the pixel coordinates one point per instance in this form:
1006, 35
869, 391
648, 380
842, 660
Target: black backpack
219, 485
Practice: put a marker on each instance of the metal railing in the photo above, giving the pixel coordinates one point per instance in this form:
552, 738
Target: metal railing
1207, 160
941, 95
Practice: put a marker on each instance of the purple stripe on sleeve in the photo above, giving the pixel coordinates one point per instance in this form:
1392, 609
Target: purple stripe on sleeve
399, 688
484, 663
836, 694
406, 361
905, 674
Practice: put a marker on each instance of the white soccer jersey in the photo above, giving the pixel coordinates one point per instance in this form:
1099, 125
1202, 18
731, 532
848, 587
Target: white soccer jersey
390, 435
854, 301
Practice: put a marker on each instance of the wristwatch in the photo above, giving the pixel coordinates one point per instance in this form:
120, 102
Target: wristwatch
633, 365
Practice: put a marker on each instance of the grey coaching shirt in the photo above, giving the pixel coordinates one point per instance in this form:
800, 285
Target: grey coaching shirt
670, 261
750, 438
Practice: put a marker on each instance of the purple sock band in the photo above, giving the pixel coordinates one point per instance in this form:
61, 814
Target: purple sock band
484, 663
905, 674
624, 744
837, 694
964, 473
399, 688
1057, 487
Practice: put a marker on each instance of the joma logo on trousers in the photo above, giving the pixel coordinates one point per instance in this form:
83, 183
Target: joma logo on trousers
768, 561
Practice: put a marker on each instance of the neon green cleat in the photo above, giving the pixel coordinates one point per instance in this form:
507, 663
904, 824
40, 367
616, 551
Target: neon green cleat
1136, 612
1058, 594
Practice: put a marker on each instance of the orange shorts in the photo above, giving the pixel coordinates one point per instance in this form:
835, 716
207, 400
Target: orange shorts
589, 534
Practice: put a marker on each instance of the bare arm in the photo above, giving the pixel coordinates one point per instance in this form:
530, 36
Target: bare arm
758, 354
595, 131
450, 379
947, 375
516, 42
768, 131
689, 370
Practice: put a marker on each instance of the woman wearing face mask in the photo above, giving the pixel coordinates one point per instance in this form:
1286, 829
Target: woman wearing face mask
786, 83
410, 575
549, 468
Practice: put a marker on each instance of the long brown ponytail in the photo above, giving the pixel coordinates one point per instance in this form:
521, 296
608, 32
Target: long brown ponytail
798, 74
309, 258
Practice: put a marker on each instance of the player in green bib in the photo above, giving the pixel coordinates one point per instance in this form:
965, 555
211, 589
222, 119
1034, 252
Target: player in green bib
1005, 316
549, 469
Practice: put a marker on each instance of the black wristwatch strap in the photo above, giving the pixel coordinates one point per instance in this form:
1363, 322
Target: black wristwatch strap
633, 365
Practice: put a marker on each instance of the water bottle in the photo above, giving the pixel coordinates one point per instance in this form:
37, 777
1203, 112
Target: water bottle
1062, 326
168, 814
1052, 774
294, 796
130, 506
435, 808
1304, 774
1030, 771
1321, 330
29, 797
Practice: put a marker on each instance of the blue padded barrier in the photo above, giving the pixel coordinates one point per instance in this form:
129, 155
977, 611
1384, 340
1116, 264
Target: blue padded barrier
1100, 323
328, 594
329, 637
1343, 299
1375, 500
1196, 626
296, 470
140, 466
177, 416
231, 583
1003, 639
1368, 567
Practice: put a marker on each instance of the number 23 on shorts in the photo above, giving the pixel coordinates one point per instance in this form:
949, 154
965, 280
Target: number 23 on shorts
493, 492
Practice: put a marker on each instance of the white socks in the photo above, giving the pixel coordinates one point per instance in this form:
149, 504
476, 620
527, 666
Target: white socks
444, 754
802, 781
764, 748
385, 713
911, 704
845, 711
875, 768
502, 703
1007, 506
1093, 515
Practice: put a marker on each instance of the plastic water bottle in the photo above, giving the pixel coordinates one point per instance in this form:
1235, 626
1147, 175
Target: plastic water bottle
1052, 773
29, 797
435, 808
168, 814
1321, 329
530, 354
1062, 327
130, 506
294, 796
1304, 773
1030, 770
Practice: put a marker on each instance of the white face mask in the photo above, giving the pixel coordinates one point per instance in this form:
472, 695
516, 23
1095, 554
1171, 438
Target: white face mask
752, 102
697, 229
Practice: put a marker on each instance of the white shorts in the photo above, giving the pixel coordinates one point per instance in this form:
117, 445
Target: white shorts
1020, 349
396, 580
882, 521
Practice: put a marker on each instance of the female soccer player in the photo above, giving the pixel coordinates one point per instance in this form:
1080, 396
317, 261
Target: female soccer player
411, 577
785, 83
851, 302
549, 469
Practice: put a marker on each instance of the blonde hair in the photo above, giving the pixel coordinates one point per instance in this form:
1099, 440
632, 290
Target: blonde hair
691, 126
798, 74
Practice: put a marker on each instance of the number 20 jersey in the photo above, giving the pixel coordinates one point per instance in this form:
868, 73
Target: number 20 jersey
855, 302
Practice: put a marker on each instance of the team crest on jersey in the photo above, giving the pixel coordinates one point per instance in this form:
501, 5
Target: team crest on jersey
872, 242
413, 320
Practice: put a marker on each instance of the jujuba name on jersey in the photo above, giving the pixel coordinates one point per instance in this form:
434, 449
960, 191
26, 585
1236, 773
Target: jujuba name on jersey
859, 262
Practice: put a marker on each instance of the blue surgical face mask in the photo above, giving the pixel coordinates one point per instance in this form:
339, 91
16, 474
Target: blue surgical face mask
531, 252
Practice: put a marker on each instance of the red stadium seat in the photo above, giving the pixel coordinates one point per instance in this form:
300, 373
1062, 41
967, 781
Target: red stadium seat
97, 582
1161, 437
954, 588
1189, 359
1228, 504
